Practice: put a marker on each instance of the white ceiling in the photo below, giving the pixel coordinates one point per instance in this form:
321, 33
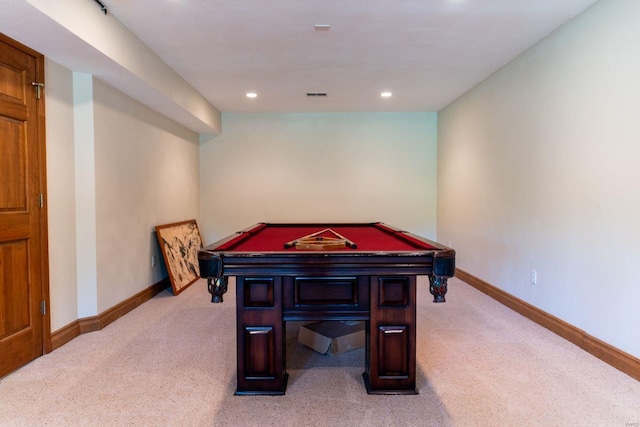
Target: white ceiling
427, 52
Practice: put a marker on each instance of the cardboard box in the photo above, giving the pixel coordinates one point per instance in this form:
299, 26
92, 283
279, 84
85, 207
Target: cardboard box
333, 336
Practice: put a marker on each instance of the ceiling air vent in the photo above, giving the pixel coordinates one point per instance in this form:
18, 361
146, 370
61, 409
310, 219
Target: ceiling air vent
316, 94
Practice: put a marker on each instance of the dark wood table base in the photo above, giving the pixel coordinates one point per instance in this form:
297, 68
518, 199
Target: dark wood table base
386, 303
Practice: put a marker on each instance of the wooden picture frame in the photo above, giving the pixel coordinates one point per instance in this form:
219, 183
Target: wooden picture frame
179, 244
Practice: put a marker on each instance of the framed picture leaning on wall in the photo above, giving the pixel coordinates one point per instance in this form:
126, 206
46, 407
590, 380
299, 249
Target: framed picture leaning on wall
179, 244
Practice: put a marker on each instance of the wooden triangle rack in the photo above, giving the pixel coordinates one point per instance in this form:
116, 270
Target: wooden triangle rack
317, 242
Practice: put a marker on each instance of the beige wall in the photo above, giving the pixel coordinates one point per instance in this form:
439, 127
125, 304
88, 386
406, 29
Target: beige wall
61, 195
319, 167
146, 174
538, 170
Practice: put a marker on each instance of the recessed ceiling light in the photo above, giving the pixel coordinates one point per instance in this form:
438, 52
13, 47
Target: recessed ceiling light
322, 27
386, 94
251, 94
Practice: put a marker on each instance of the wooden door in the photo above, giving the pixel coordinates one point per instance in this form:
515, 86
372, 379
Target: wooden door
23, 244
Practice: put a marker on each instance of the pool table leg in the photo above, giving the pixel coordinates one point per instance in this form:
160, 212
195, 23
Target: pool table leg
438, 288
390, 366
217, 288
260, 336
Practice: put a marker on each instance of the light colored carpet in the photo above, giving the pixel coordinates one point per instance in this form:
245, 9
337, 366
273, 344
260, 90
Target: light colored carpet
172, 362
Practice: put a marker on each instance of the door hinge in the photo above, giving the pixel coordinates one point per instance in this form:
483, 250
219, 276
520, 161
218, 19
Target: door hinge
43, 308
41, 200
38, 87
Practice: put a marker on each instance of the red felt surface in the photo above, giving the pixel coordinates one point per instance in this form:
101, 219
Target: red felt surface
367, 238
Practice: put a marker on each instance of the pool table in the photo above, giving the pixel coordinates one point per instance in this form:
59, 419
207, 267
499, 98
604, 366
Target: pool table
373, 280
